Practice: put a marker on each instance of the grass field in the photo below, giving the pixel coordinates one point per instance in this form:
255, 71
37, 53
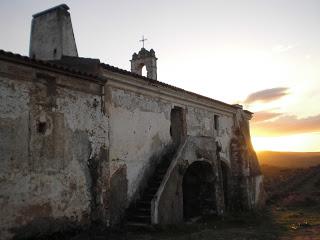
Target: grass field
292, 213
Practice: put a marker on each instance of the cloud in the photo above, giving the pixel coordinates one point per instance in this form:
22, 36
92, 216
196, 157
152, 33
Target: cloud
287, 125
265, 115
267, 95
283, 48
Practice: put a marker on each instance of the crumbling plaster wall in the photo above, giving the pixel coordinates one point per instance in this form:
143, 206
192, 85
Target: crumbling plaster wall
200, 123
51, 127
201, 145
52, 35
247, 179
244, 182
139, 133
141, 123
170, 205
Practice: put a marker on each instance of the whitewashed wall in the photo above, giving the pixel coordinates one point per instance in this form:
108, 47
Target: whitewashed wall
45, 175
139, 129
200, 122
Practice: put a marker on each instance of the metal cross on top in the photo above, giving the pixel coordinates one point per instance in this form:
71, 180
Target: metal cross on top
143, 40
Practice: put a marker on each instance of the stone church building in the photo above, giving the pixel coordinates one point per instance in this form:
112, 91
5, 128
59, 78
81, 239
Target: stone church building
83, 142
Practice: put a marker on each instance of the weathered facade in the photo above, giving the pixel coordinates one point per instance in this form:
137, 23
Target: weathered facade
84, 142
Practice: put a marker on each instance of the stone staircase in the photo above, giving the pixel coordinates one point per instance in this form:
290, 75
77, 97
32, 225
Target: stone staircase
138, 215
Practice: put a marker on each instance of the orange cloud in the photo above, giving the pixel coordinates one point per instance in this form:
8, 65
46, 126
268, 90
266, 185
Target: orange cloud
267, 95
264, 116
286, 125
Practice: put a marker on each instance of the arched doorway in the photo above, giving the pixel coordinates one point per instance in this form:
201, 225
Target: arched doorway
198, 190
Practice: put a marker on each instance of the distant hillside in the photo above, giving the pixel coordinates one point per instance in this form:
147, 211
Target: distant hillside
289, 159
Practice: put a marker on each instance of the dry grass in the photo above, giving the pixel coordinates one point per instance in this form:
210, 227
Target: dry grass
293, 214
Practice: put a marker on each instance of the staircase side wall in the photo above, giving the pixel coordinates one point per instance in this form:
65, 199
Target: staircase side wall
170, 208
139, 136
201, 146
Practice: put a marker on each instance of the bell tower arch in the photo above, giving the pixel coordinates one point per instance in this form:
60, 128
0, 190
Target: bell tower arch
145, 58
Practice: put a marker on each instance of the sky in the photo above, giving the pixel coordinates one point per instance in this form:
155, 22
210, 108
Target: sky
263, 54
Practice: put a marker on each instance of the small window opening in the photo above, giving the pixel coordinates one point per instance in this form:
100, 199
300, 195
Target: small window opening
219, 148
216, 122
54, 51
144, 71
42, 127
178, 125
95, 103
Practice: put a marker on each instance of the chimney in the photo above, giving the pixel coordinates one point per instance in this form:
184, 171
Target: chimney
52, 34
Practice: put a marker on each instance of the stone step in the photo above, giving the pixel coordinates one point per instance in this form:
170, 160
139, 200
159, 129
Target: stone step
154, 181
148, 197
140, 218
142, 211
155, 184
139, 211
161, 171
138, 226
158, 176
163, 166
151, 190
139, 214
142, 204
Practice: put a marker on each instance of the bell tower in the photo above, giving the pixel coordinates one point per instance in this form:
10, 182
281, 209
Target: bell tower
145, 58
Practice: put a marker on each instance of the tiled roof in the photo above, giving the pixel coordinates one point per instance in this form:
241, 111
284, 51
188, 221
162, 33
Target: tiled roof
165, 85
54, 65
48, 64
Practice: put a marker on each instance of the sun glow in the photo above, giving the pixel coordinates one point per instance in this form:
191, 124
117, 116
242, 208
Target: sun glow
293, 143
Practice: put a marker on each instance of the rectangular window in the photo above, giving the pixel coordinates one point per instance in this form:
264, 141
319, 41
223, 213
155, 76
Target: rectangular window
216, 122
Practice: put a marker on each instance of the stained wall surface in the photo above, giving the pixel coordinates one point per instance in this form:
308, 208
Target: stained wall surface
201, 123
139, 133
52, 35
52, 128
76, 150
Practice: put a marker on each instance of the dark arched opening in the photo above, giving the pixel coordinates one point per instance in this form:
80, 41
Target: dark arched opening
225, 183
198, 190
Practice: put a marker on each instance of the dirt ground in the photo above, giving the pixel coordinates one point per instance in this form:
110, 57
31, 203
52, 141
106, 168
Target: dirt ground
292, 212
272, 223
